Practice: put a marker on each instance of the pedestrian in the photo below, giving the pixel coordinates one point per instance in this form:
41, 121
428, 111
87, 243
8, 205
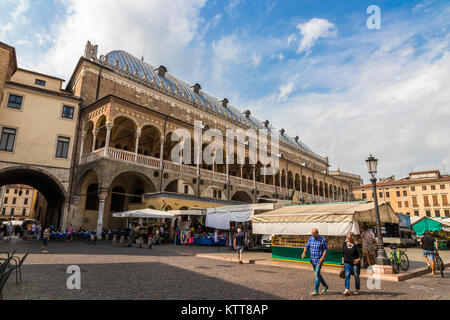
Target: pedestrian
429, 244
351, 258
38, 232
69, 233
45, 239
369, 246
239, 243
318, 248
177, 234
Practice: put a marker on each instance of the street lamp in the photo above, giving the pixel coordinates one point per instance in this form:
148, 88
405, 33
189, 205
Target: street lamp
382, 258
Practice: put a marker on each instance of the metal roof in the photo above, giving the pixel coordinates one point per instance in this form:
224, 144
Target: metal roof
139, 70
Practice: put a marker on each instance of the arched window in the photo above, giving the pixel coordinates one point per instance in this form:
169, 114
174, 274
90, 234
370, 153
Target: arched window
117, 199
92, 197
137, 196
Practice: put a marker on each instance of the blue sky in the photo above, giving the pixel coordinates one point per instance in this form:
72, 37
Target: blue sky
311, 67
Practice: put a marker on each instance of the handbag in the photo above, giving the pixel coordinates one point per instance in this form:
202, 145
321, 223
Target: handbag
342, 273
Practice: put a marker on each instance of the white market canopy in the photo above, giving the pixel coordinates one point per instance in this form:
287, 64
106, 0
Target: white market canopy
330, 219
220, 217
144, 213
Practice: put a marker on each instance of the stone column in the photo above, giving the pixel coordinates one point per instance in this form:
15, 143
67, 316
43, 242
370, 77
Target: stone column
101, 209
109, 126
161, 152
65, 213
83, 137
137, 135
94, 141
254, 176
242, 173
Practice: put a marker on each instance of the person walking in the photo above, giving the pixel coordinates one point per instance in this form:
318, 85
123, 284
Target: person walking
38, 232
429, 245
369, 246
239, 243
9, 231
69, 233
318, 248
45, 239
351, 258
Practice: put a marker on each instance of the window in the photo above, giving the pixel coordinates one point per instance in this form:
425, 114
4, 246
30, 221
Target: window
399, 204
437, 213
7, 139
215, 193
6, 200
447, 213
405, 193
425, 201
381, 194
186, 189
442, 186
39, 82
433, 187
27, 192
413, 188
25, 201
416, 213
67, 112
444, 200
7, 190
435, 201
15, 191
62, 149
15, 101
14, 201
428, 213
219, 194
364, 196
406, 204
398, 193
387, 194
4, 211
424, 188
12, 211
24, 212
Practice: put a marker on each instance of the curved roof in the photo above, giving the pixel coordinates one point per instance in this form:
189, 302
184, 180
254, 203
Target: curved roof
132, 67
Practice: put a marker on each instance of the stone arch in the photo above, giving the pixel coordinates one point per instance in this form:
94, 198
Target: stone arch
242, 196
150, 141
297, 182
123, 132
290, 180
43, 181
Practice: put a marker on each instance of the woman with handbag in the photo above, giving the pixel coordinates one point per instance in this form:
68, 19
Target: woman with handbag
351, 258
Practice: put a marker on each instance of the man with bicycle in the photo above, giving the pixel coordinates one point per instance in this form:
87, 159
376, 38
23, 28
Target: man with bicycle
429, 245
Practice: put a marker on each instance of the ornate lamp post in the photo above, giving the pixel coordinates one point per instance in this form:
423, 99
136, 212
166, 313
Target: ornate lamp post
382, 258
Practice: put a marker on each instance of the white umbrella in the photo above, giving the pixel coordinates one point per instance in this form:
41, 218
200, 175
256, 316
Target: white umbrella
144, 213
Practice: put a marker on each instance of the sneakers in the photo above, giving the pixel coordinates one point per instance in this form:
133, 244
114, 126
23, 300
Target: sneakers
324, 290
314, 293
346, 293
357, 293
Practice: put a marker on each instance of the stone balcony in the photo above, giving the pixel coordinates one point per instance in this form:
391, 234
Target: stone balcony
192, 171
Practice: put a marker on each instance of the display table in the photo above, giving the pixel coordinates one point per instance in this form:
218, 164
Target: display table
209, 241
285, 253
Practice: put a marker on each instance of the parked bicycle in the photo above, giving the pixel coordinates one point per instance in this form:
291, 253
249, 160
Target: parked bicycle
438, 263
398, 259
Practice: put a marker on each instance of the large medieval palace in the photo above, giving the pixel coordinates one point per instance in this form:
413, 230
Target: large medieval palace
108, 147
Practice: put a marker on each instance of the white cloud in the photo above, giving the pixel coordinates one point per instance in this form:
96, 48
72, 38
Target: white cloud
286, 90
314, 29
164, 29
291, 38
17, 16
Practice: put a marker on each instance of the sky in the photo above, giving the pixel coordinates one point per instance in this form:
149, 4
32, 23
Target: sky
313, 68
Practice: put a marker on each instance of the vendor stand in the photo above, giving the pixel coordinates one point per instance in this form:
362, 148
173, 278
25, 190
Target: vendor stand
292, 227
439, 226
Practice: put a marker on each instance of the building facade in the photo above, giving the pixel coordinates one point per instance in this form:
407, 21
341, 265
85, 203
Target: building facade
21, 202
38, 121
424, 193
101, 144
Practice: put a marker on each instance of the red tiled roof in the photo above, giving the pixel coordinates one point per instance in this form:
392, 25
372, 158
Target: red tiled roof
405, 182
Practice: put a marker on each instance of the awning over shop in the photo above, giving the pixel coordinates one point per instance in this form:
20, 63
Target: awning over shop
220, 217
330, 219
144, 213
188, 212
430, 224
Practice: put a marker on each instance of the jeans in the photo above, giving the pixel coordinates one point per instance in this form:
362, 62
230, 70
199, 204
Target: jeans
349, 269
319, 278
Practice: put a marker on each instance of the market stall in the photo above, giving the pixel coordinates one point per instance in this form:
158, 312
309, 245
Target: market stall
439, 226
291, 226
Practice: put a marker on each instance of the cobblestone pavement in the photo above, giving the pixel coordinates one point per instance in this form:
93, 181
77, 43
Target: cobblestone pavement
165, 273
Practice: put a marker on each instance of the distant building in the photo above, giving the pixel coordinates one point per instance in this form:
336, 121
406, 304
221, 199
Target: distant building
21, 202
423, 193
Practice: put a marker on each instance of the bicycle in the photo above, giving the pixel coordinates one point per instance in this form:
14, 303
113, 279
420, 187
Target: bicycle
439, 264
398, 259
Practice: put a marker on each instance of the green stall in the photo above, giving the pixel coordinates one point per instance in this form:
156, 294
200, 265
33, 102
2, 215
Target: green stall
291, 227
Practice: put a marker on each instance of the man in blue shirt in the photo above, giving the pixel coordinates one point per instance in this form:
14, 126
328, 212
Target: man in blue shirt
317, 247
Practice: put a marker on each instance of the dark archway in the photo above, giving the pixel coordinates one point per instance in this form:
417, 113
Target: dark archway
242, 196
45, 183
